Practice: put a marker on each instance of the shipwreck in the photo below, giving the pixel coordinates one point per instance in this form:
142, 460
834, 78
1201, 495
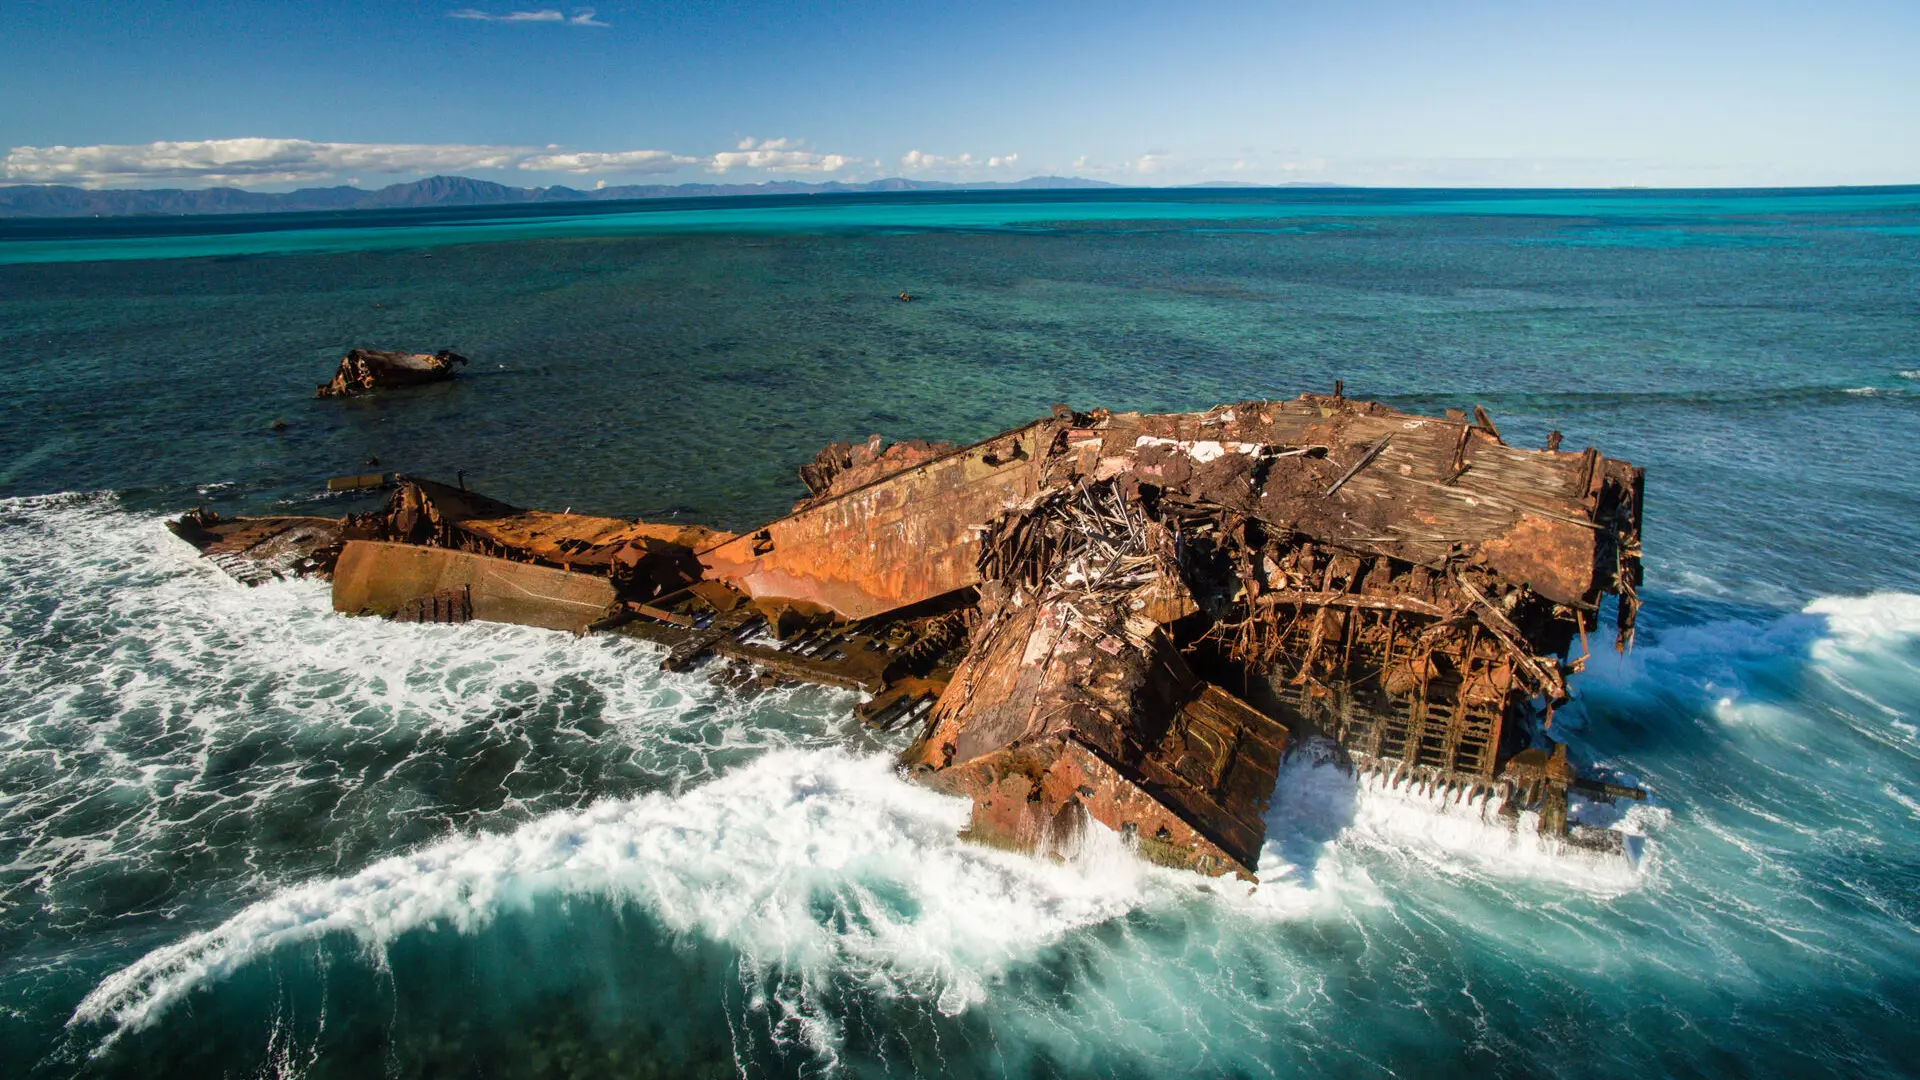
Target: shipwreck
363, 371
1096, 617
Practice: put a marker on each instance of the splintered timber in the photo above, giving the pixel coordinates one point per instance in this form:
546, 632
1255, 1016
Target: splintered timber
1099, 616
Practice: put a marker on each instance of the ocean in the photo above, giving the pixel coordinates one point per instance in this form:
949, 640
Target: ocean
242, 836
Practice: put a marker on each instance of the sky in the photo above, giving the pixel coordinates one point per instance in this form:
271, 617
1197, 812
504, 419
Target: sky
1510, 93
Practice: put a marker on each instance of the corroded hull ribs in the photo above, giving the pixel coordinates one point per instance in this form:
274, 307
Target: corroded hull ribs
1097, 617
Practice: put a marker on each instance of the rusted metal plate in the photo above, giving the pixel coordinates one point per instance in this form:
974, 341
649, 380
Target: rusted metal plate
1432, 489
842, 467
359, 482
1029, 798
1217, 765
256, 550
579, 540
1358, 474
648, 557
1063, 709
381, 578
897, 541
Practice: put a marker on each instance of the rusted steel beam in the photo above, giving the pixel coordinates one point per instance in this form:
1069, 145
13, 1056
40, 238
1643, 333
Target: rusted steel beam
1373, 603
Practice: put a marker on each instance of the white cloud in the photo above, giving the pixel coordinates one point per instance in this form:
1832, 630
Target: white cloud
259, 162
511, 16
580, 16
625, 161
1158, 166
917, 161
780, 156
1149, 163
242, 161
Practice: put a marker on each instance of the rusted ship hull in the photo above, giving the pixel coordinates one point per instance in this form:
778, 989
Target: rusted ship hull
363, 371
429, 584
1112, 618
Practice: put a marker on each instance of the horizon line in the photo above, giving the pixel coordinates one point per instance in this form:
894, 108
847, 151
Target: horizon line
1091, 181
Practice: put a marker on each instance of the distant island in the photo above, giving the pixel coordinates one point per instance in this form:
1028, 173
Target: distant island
49, 200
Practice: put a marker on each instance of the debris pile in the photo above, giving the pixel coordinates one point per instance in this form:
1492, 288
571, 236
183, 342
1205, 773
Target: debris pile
364, 370
1109, 617
258, 550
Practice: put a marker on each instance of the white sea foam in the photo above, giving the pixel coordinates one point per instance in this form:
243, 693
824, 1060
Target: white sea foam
1912, 805
1867, 622
1327, 820
744, 860
1844, 639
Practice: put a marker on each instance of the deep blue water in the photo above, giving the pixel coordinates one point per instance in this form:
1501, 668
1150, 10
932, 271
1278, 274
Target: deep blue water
242, 836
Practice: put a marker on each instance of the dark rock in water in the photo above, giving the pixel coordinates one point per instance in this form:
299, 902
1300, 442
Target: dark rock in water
363, 370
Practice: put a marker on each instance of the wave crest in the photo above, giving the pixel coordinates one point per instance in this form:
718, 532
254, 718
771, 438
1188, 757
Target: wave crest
746, 859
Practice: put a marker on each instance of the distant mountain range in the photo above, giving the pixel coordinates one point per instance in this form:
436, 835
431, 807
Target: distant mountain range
46, 200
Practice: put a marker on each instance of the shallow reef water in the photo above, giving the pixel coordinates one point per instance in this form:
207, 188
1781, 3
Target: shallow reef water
243, 836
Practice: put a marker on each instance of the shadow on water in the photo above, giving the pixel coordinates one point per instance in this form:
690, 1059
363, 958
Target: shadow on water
560, 989
571, 988
1691, 653
1314, 801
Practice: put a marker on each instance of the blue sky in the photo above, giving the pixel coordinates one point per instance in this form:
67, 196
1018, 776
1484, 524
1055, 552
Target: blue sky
272, 96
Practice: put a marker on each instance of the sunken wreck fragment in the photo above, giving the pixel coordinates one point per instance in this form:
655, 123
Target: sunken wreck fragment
365, 370
1097, 617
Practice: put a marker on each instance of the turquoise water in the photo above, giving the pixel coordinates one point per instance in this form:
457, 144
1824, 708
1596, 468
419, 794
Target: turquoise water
265, 234
241, 836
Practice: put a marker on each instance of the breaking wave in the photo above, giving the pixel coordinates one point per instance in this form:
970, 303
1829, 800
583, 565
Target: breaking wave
822, 863
744, 859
